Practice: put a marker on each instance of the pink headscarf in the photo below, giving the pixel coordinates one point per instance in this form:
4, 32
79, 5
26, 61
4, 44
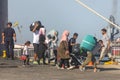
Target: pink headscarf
65, 36
42, 31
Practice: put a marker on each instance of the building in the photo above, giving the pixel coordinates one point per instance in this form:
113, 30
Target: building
3, 14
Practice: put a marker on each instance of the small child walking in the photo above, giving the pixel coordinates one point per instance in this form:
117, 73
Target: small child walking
26, 52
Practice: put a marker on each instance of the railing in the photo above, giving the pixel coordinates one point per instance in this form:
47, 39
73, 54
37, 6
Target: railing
18, 52
116, 51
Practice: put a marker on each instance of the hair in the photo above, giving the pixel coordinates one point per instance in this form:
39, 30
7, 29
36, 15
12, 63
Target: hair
27, 42
104, 30
100, 41
9, 23
75, 34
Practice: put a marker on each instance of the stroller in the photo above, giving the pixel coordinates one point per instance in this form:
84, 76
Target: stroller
78, 55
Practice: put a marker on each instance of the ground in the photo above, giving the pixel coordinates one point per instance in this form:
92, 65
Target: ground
13, 70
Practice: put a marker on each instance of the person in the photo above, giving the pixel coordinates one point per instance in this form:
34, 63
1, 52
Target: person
54, 46
42, 45
35, 40
105, 45
90, 58
8, 38
26, 52
72, 43
63, 50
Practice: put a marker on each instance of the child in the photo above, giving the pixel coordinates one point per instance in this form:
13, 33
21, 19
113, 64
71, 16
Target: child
26, 52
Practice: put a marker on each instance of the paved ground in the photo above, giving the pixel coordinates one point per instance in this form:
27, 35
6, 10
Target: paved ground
12, 70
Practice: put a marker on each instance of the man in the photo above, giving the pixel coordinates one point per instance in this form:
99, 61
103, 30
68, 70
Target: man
106, 45
8, 38
72, 42
35, 41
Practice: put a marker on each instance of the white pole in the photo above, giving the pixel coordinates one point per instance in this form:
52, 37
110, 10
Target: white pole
95, 12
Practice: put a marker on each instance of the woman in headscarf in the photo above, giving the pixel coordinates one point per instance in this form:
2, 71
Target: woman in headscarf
63, 50
42, 45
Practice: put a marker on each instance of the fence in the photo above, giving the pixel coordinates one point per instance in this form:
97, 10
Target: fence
18, 52
116, 51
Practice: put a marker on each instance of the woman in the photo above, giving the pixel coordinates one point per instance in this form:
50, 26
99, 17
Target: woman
63, 51
42, 45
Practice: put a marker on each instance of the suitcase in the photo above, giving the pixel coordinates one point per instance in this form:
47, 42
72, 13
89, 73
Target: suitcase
88, 42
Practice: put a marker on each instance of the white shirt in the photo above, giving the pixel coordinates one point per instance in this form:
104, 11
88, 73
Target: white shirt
105, 40
25, 50
36, 37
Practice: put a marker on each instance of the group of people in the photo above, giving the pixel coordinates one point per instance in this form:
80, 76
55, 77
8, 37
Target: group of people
62, 52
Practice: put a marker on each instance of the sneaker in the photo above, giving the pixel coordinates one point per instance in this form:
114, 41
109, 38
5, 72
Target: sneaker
62, 68
35, 62
71, 67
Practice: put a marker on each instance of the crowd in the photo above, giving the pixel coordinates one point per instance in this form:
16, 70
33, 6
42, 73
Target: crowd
67, 54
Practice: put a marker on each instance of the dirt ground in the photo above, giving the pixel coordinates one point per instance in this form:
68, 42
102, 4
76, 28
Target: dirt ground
13, 70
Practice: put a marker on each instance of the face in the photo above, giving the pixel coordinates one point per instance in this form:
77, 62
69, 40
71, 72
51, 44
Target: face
28, 44
8, 26
103, 32
75, 37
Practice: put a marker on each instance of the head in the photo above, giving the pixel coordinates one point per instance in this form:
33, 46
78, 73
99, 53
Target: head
9, 24
65, 36
56, 33
27, 43
66, 33
100, 42
75, 35
104, 31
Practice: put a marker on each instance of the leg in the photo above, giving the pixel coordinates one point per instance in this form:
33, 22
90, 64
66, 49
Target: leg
88, 59
67, 63
102, 54
55, 53
36, 46
7, 48
12, 49
28, 59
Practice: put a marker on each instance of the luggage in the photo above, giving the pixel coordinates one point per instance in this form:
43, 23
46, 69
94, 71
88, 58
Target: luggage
88, 42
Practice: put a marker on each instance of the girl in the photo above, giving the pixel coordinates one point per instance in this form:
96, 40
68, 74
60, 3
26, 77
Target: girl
26, 52
63, 50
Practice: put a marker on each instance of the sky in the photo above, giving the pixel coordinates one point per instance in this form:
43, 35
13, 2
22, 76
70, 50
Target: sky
61, 15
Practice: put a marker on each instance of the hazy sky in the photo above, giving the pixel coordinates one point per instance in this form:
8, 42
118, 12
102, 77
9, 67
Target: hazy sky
61, 15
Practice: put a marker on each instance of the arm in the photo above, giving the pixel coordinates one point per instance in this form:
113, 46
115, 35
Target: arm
35, 27
108, 45
3, 38
14, 37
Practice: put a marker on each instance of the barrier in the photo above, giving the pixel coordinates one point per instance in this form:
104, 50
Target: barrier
116, 51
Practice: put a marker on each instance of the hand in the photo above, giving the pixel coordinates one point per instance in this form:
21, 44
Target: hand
2, 42
15, 40
67, 52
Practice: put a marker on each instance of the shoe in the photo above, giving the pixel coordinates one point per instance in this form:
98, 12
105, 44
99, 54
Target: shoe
38, 62
57, 67
45, 64
96, 70
71, 67
82, 68
35, 62
62, 68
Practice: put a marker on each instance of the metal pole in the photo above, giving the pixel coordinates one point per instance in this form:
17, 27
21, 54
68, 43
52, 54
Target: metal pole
95, 12
3, 15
